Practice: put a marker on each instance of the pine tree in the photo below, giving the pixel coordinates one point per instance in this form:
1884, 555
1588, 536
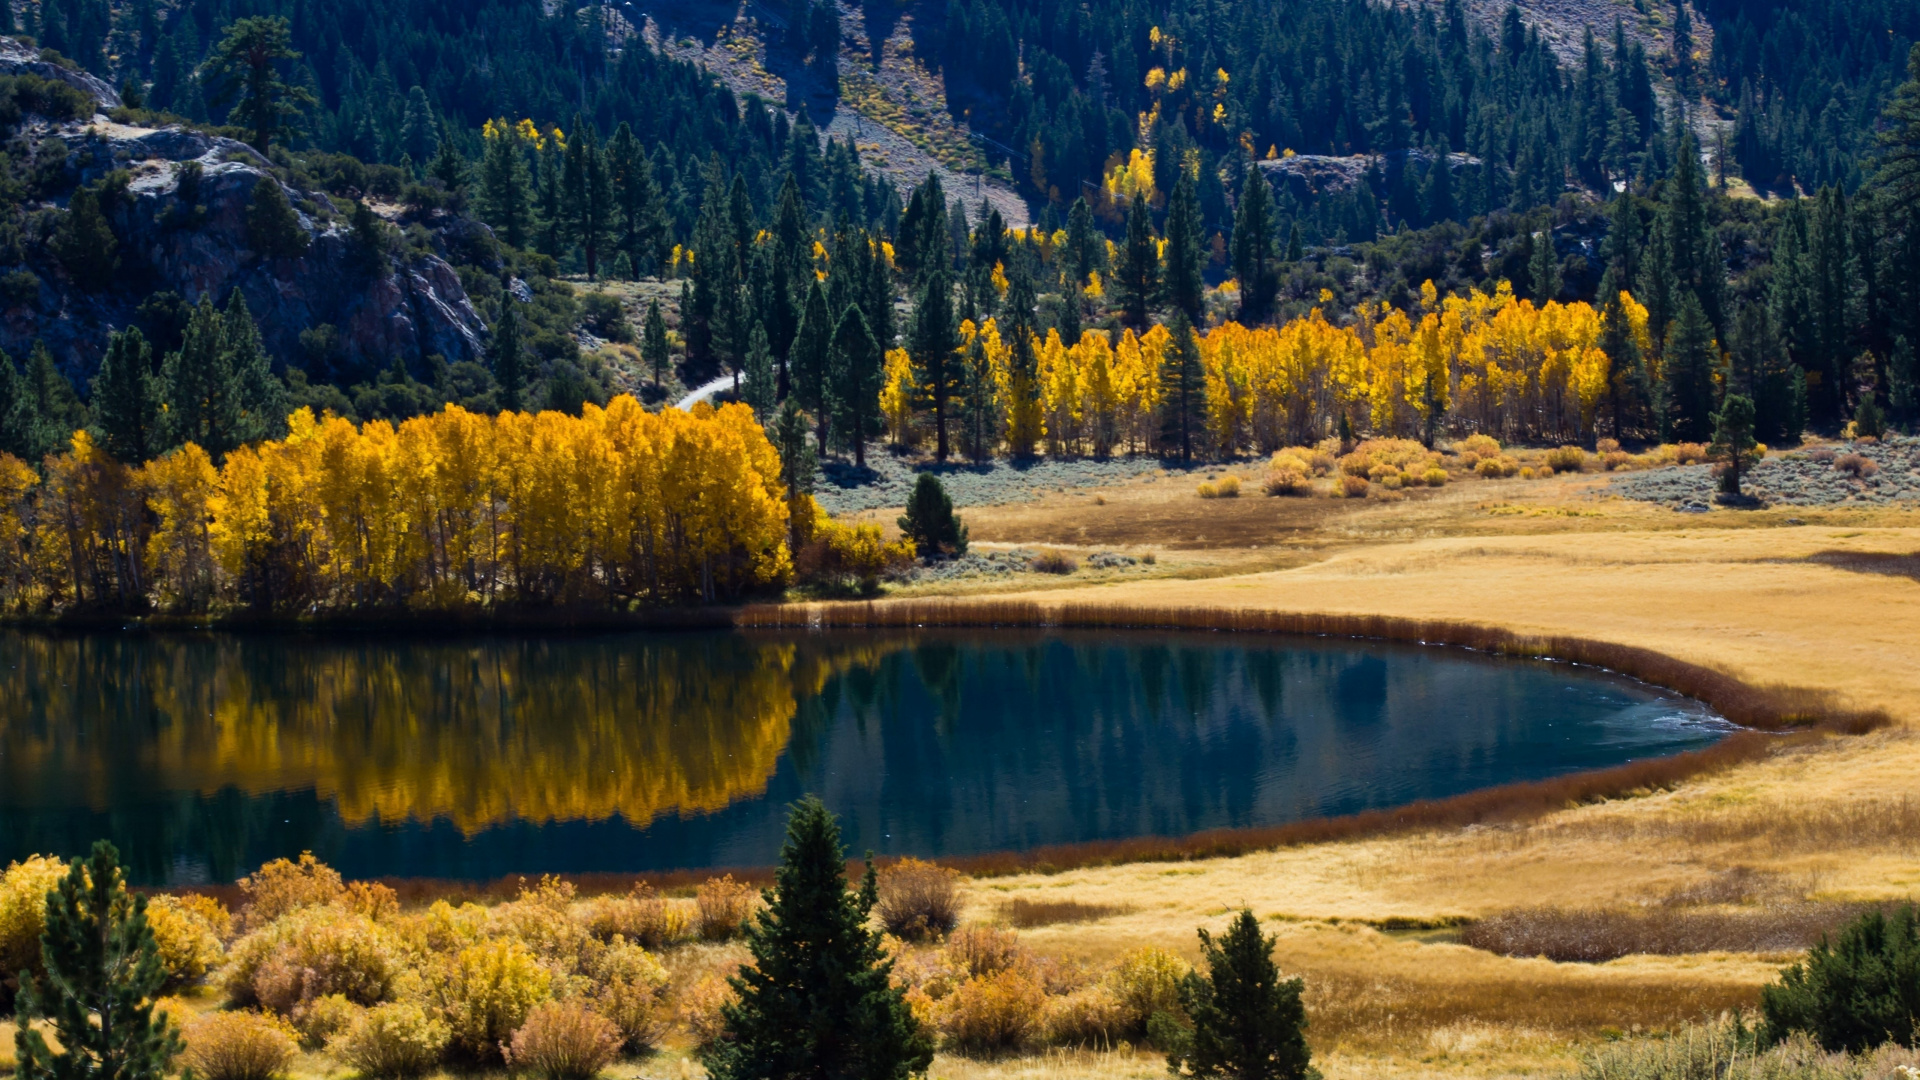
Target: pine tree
799, 465
1687, 374
817, 1001
934, 340
550, 218
49, 411
759, 385
1544, 267
1018, 333
979, 413
103, 973
857, 369
587, 203
448, 167
419, 137
653, 342
1183, 391
1186, 288
14, 421
273, 229
85, 243
506, 187
1248, 1023
509, 361
930, 521
369, 241
810, 358
126, 398
258, 393
1086, 248
1136, 276
1733, 437
244, 71
1903, 380
638, 228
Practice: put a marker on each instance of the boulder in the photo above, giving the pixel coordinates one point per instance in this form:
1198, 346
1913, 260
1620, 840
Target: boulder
17, 58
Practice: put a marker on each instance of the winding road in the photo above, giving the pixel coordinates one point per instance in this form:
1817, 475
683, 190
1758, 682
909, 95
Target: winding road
706, 391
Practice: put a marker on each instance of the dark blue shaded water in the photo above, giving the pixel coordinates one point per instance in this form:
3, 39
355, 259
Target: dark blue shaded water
203, 756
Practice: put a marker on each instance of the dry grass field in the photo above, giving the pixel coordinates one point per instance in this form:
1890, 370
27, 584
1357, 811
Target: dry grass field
1823, 600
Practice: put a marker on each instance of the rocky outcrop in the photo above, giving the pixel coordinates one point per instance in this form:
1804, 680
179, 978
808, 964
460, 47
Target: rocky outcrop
195, 242
18, 59
1307, 175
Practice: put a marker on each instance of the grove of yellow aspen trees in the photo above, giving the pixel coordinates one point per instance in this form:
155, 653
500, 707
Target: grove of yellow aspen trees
1481, 363
614, 507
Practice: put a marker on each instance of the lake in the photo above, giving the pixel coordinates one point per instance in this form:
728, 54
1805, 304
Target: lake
202, 756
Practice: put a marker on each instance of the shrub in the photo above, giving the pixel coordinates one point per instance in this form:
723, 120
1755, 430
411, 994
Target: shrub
320, 952
1090, 1016
1860, 991
1147, 981
930, 521
642, 917
1564, 459
919, 900
841, 553
981, 950
1688, 453
282, 886
393, 1040
1391, 482
1479, 446
1287, 480
1615, 459
995, 1013
1858, 466
1053, 562
1435, 477
239, 1046
486, 993
372, 899
724, 906
1526, 472
1353, 487
700, 1008
1607, 446
23, 914
632, 992
319, 1020
564, 1040
186, 930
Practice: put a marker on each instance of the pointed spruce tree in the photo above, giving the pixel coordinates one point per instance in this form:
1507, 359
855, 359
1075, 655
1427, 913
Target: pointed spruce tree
1136, 274
1248, 1023
653, 341
126, 398
1183, 392
103, 973
930, 521
758, 381
506, 185
509, 361
50, 412
936, 365
811, 355
1185, 287
1687, 374
857, 368
1253, 248
817, 1001
273, 229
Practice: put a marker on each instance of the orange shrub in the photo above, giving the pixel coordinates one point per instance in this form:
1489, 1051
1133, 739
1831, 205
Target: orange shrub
700, 1007
995, 1013
238, 1046
630, 989
642, 917
724, 906
919, 899
1564, 459
564, 1040
1689, 453
1352, 487
397, 1039
283, 885
978, 949
1090, 1017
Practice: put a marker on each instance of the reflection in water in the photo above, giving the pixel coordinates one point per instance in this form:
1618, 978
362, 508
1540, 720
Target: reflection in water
204, 755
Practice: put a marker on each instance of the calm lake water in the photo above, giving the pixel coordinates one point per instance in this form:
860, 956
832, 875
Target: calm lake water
203, 756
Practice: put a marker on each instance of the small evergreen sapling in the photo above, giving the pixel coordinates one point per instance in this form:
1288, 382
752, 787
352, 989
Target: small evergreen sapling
103, 972
1248, 1023
1733, 436
817, 1001
930, 521
1855, 993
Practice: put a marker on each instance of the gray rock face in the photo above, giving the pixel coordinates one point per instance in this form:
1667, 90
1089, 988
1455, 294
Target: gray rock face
198, 245
18, 59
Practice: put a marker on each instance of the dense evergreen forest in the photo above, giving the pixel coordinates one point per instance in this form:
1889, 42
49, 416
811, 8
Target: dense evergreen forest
1169, 153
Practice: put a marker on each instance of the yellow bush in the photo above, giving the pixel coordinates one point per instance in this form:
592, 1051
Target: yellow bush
485, 994
994, 1013
1146, 981
372, 899
1481, 446
918, 899
564, 1040
442, 928
1689, 453
631, 990
541, 919
1392, 482
1091, 1016
282, 886
238, 1046
1615, 459
724, 905
1434, 477
1352, 487
308, 955
978, 950
838, 552
187, 932
1563, 459
321, 1019
1526, 472
23, 915
1287, 480
392, 1040
700, 1007
641, 917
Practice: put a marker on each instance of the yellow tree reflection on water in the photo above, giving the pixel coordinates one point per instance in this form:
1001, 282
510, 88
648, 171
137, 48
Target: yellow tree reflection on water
477, 734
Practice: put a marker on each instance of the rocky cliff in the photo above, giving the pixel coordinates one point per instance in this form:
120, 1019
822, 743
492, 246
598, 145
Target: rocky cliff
195, 242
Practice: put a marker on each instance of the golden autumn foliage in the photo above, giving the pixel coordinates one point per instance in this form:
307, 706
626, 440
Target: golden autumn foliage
444, 512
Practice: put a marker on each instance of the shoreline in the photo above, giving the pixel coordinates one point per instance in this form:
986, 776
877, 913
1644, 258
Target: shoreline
1774, 717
